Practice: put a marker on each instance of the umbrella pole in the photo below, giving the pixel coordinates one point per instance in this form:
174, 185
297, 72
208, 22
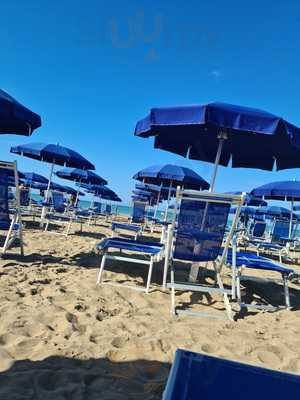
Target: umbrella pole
222, 137
167, 207
291, 219
158, 198
47, 191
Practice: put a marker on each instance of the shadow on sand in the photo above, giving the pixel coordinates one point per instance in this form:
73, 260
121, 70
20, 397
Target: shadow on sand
62, 378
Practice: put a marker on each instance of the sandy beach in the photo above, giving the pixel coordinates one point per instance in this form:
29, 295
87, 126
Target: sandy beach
63, 337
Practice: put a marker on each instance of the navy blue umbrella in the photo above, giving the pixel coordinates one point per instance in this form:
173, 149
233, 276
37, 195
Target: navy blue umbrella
171, 175
274, 211
80, 175
281, 190
174, 175
34, 177
219, 132
15, 118
244, 210
54, 154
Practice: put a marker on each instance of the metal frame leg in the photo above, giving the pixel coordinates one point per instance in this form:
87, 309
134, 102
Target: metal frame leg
99, 278
286, 291
173, 307
149, 275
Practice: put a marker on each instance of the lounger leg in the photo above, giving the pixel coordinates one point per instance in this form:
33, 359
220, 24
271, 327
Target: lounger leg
286, 291
21, 237
225, 296
238, 286
68, 228
149, 275
173, 308
7, 239
99, 278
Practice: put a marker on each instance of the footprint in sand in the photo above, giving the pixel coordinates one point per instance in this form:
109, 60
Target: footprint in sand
209, 348
269, 358
119, 341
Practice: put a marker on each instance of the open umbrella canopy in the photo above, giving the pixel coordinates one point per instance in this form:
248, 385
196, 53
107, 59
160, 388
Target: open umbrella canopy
80, 175
244, 210
16, 118
54, 154
33, 177
249, 137
281, 190
159, 191
172, 174
274, 211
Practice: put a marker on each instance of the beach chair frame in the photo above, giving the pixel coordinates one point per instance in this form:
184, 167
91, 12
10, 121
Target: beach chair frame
15, 230
149, 259
62, 218
218, 263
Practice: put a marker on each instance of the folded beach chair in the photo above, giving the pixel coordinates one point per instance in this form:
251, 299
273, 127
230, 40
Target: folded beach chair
245, 260
196, 236
151, 253
136, 225
195, 376
10, 222
58, 213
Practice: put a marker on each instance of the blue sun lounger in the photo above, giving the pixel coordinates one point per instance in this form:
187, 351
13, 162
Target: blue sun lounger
58, 213
245, 260
278, 245
151, 251
195, 376
136, 224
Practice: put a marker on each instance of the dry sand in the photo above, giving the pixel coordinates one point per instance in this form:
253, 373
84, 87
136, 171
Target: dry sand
63, 337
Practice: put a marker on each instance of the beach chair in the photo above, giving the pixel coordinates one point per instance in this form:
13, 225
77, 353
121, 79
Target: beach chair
242, 261
279, 242
57, 213
196, 236
151, 253
195, 376
12, 226
136, 225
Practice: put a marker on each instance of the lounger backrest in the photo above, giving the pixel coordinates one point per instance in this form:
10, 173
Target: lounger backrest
4, 207
258, 229
200, 229
108, 209
24, 197
58, 201
280, 230
198, 376
138, 212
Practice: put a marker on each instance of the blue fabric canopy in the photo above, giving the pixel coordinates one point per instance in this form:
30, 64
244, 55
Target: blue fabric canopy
172, 174
99, 190
281, 190
54, 154
15, 118
253, 138
33, 177
274, 211
244, 210
84, 176
53, 186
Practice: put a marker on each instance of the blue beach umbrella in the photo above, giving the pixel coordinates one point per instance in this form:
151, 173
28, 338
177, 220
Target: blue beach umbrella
81, 176
280, 190
171, 175
16, 118
34, 177
220, 133
54, 154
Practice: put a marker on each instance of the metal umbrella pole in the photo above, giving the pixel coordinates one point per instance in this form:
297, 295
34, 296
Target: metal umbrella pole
291, 219
158, 199
222, 137
167, 207
47, 191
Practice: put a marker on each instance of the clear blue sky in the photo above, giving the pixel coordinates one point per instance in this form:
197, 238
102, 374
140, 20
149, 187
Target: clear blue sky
91, 69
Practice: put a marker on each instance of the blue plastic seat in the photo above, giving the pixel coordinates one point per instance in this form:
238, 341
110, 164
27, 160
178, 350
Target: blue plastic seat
195, 376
